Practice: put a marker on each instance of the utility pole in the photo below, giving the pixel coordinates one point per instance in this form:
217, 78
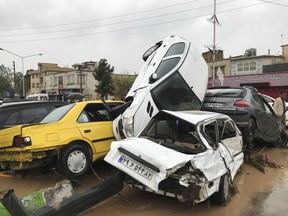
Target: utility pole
14, 70
215, 22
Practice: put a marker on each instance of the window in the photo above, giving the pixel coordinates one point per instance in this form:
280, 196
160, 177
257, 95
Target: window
94, 113
29, 116
253, 66
240, 67
69, 80
246, 66
210, 132
33, 85
12, 119
257, 101
57, 114
229, 92
33, 76
37, 75
60, 80
37, 85
55, 81
166, 66
176, 49
174, 94
226, 129
83, 79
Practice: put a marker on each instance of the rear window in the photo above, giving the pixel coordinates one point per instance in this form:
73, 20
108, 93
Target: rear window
57, 114
225, 93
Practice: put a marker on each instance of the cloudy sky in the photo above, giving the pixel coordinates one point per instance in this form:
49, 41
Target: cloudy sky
74, 31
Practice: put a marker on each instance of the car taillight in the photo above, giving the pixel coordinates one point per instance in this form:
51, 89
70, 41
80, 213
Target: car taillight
242, 103
19, 142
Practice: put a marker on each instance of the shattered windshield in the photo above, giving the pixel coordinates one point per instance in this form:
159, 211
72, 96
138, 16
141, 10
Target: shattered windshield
174, 133
174, 94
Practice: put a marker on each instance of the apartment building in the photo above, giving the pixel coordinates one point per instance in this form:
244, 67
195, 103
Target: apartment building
268, 73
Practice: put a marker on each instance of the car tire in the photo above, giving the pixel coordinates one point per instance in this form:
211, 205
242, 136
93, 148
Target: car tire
282, 140
223, 194
74, 160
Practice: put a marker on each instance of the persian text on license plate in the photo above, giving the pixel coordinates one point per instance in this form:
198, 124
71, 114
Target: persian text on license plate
213, 105
139, 169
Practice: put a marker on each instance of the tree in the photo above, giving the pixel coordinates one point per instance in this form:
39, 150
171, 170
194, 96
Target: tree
123, 83
10, 83
6, 80
103, 74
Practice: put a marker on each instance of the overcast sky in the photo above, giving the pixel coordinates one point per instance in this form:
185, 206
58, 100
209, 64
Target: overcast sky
74, 31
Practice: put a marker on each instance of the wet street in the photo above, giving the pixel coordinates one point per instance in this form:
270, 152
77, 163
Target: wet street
262, 194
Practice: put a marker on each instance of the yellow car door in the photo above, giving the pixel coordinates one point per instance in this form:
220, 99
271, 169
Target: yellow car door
95, 124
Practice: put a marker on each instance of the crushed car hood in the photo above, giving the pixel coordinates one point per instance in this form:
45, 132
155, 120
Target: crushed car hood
128, 155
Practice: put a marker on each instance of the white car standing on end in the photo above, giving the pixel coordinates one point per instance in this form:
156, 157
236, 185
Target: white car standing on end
174, 77
189, 155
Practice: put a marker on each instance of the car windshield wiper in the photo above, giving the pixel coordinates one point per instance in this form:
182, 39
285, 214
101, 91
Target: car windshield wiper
140, 88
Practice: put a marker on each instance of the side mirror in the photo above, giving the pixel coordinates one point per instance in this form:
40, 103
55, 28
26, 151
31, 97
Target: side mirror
153, 78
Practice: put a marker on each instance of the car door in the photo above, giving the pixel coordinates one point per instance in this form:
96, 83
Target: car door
260, 114
95, 125
230, 143
273, 126
267, 123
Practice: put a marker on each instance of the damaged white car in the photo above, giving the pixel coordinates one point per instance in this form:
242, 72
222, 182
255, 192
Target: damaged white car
190, 155
174, 77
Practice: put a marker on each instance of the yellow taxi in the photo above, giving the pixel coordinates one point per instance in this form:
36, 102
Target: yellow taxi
73, 136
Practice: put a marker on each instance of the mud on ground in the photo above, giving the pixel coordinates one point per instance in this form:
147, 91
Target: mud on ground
259, 193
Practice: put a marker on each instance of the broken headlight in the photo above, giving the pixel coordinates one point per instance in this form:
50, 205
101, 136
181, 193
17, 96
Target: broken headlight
128, 125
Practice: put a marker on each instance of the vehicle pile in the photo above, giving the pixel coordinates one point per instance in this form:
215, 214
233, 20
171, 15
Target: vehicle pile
173, 137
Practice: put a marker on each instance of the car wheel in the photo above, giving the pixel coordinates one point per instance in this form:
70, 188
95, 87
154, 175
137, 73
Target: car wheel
74, 160
282, 140
223, 194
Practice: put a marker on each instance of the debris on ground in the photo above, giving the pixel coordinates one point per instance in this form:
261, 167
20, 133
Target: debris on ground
260, 161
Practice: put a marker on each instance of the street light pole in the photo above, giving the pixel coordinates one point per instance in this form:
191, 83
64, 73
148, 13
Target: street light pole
22, 59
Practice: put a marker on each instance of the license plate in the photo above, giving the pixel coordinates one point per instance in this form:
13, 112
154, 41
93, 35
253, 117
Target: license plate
136, 167
213, 105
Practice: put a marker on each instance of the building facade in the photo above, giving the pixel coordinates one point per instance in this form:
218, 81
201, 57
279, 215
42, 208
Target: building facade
268, 73
59, 82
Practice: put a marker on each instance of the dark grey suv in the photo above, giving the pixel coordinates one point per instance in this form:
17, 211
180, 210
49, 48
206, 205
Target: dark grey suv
251, 113
25, 112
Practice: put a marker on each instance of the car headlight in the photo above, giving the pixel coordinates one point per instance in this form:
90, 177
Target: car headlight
128, 125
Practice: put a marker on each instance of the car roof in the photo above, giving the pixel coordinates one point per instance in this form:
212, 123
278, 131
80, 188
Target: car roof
195, 116
25, 103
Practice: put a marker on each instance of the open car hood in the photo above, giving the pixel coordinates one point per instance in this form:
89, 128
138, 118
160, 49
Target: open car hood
145, 161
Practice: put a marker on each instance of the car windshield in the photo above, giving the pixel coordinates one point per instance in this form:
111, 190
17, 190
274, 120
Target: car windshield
57, 114
225, 92
173, 133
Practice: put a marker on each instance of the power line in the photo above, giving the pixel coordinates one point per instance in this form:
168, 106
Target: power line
273, 2
131, 28
109, 24
98, 19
